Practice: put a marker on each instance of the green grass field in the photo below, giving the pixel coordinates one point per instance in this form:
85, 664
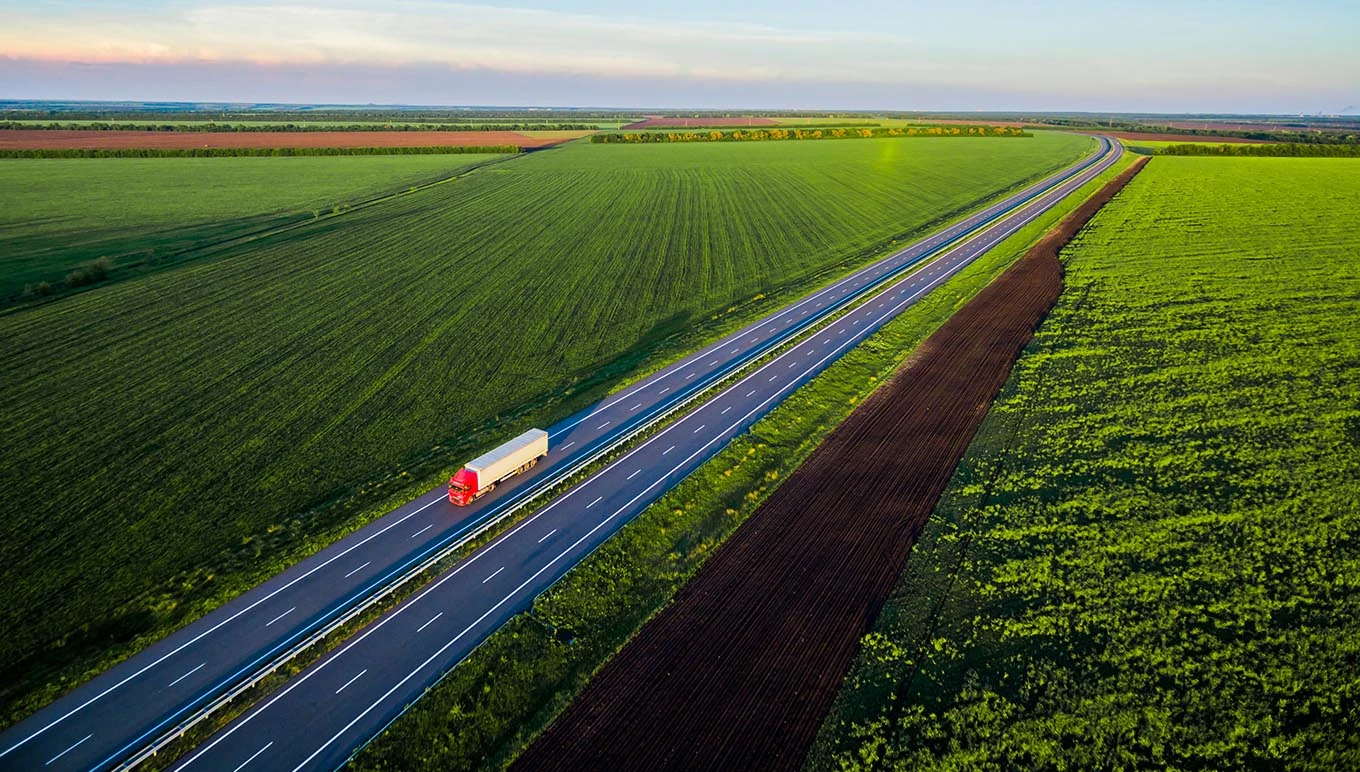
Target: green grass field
499, 699
1150, 556
58, 213
173, 437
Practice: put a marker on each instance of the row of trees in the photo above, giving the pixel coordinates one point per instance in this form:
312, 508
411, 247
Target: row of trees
762, 135
291, 127
1288, 150
229, 152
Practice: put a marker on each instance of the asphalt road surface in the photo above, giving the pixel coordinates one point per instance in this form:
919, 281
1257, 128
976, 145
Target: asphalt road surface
323, 715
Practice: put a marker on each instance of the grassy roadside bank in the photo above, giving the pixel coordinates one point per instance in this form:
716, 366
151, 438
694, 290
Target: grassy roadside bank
259, 555
495, 702
1148, 557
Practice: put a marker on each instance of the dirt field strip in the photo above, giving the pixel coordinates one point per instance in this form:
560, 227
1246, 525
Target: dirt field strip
739, 671
42, 139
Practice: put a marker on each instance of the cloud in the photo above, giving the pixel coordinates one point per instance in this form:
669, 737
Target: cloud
950, 51
461, 36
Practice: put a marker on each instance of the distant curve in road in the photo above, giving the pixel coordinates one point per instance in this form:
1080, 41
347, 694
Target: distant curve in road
106, 721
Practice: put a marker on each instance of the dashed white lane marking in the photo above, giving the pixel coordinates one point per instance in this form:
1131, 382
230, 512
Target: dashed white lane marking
68, 750
280, 616
596, 501
352, 680
545, 536
668, 450
253, 755
357, 570
422, 530
569, 444
724, 410
634, 474
635, 407
493, 574
749, 393
601, 426
429, 622
186, 675
701, 426
663, 391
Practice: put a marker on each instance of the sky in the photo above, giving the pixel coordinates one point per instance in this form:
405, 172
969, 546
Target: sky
1240, 56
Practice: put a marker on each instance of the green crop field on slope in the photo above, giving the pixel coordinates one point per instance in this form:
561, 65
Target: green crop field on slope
58, 213
170, 433
1150, 556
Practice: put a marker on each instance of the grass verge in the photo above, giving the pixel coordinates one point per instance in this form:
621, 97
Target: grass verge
257, 554
494, 703
1148, 559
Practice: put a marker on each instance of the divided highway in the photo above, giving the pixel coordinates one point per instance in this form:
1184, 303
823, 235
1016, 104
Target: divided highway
322, 716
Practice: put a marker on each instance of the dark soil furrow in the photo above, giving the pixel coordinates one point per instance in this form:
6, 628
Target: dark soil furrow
739, 671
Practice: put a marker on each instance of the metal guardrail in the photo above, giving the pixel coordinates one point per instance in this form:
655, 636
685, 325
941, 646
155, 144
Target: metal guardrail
533, 493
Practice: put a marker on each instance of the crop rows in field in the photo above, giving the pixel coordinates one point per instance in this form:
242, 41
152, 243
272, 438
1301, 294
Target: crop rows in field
170, 431
739, 670
144, 210
495, 702
1150, 557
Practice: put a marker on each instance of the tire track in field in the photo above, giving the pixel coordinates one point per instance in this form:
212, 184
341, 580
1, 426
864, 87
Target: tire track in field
738, 672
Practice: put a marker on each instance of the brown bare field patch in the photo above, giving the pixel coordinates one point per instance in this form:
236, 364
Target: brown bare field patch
660, 122
41, 139
738, 672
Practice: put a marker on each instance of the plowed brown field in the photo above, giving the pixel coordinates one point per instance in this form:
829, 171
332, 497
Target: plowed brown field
40, 139
738, 672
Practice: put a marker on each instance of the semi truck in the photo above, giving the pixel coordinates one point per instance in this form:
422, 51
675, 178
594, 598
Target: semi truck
480, 475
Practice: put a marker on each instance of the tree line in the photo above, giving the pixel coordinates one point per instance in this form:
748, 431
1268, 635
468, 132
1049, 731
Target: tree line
229, 152
1287, 150
795, 133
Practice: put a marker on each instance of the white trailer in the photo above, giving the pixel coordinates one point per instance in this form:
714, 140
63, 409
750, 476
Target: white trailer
480, 475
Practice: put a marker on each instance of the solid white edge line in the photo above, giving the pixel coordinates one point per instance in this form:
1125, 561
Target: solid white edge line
217, 626
952, 231
506, 537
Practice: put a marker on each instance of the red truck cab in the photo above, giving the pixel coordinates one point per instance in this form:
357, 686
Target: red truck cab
463, 487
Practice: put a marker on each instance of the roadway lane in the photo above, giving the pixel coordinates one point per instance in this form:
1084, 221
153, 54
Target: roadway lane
336, 706
109, 719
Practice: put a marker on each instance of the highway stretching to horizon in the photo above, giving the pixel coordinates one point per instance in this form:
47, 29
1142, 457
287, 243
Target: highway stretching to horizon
335, 706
